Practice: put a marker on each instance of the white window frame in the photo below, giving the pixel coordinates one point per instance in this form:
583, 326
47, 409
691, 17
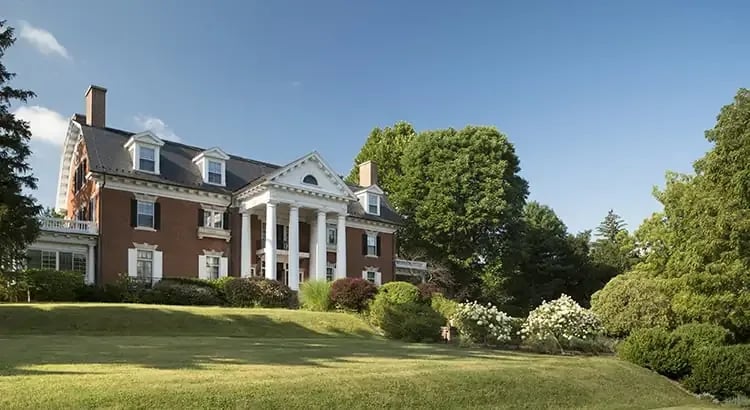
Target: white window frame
140, 148
372, 249
221, 172
138, 214
331, 229
211, 217
157, 264
370, 196
378, 279
330, 272
53, 254
213, 265
141, 257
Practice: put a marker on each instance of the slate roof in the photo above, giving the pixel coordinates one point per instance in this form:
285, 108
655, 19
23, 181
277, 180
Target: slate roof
108, 155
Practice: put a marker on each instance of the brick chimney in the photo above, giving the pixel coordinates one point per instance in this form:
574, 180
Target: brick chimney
368, 173
96, 106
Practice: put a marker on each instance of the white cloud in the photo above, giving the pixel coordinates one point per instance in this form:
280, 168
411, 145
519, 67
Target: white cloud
43, 40
157, 126
46, 125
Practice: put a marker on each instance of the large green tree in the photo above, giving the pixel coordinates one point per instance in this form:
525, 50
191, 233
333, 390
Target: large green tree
462, 199
700, 245
18, 210
613, 252
385, 147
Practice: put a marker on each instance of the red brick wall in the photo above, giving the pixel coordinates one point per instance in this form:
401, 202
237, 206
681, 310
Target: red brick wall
356, 261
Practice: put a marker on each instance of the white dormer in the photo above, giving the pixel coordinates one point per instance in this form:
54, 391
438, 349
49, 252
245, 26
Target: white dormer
213, 166
370, 198
145, 150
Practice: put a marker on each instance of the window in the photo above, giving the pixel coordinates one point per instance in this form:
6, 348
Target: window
145, 265
330, 269
49, 260
146, 159
145, 214
309, 179
372, 245
212, 267
215, 172
301, 276
262, 268
66, 261
34, 259
373, 204
331, 235
372, 276
79, 263
213, 219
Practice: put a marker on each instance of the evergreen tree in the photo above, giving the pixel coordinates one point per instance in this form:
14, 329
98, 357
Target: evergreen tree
18, 211
612, 225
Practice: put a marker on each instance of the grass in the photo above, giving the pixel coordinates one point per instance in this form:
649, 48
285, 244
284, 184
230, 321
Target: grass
315, 295
130, 356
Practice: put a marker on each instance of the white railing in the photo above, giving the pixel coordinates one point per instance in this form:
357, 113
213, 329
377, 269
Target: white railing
412, 265
67, 225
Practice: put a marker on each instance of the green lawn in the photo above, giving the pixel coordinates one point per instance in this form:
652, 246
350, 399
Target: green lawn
129, 356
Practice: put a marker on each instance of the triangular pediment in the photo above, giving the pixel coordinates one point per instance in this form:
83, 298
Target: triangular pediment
146, 137
311, 172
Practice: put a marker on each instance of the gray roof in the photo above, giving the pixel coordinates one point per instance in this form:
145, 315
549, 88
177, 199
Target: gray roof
108, 155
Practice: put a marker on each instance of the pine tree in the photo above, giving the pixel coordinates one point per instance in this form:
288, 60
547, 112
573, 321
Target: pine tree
612, 225
18, 211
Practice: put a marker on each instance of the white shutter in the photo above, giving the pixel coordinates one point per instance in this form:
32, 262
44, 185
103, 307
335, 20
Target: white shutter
364, 274
223, 267
158, 263
132, 265
202, 272
378, 280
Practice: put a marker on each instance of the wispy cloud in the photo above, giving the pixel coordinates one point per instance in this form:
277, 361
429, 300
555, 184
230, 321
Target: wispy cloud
42, 40
46, 125
157, 126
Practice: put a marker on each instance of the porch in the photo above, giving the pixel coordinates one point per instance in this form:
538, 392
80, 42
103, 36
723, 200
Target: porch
65, 244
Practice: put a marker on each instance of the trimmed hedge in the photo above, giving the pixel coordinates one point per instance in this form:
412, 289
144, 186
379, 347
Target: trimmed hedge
400, 292
446, 307
352, 293
722, 371
411, 322
258, 292
169, 292
42, 285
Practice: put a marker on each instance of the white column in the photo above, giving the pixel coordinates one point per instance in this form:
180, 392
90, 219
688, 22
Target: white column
246, 247
320, 247
293, 247
341, 247
90, 265
270, 248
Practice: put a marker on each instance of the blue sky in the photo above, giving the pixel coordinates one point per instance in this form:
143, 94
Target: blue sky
599, 98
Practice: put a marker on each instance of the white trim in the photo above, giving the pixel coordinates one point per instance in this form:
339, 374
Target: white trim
369, 195
378, 275
166, 191
146, 137
145, 246
213, 152
72, 137
145, 197
144, 228
366, 224
211, 252
217, 233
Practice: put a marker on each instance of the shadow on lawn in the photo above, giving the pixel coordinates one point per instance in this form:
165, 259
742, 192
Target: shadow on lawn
175, 339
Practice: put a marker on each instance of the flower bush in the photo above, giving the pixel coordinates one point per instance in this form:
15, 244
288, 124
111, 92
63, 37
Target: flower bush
482, 324
563, 320
352, 293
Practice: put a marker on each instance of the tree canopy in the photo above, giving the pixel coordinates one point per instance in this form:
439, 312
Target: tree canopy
386, 148
18, 210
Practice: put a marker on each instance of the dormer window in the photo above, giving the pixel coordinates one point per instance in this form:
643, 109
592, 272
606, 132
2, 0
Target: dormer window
146, 159
212, 164
373, 204
215, 172
309, 179
144, 149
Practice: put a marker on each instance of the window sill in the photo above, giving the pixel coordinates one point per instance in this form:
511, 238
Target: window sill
217, 233
144, 228
372, 256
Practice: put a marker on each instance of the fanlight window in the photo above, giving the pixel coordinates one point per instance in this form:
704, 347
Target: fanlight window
309, 179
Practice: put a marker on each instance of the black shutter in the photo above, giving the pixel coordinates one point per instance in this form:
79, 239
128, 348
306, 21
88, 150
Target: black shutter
133, 212
377, 245
279, 236
201, 216
364, 244
226, 220
157, 215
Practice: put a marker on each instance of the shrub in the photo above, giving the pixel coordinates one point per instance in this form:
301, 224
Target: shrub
400, 292
630, 302
672, 353
562, 319
42, 285
315, 295
446, 307
168, 292
352, 293
482, 324
428, 290
257, 292
550, 345
722, 371
411, 322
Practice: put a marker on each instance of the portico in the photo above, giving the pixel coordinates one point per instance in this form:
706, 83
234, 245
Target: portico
304, 193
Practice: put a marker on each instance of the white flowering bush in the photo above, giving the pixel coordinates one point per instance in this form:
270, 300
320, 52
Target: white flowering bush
481, 324
562, 319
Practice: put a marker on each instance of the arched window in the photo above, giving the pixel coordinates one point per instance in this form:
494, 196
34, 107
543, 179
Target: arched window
309, 179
